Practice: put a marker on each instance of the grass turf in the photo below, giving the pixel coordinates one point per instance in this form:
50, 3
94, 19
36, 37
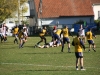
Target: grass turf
46, 61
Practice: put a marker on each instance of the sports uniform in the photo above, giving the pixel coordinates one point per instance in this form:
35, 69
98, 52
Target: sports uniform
42, 36
78, 43
15, 32
57, 34
90, 40
21, 38
65, 33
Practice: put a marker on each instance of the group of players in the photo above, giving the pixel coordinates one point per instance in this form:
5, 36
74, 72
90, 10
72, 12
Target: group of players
78, 41
59, 37
19, 34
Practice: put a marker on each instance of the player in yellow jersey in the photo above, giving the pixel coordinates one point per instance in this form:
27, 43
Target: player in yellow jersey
78, 43
65, 33
22, 38
57, 35
15, 32
42, 36
90, 40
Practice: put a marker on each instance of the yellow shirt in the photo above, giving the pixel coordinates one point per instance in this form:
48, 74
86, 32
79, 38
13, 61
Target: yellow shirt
15, 30
78, 46
89, 35
20, 34
43, 32
58, 31
65, 32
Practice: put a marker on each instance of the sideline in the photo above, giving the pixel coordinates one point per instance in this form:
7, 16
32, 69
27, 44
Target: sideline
42, 65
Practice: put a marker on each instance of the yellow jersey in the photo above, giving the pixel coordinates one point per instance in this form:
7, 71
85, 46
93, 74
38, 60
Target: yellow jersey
58, 31
15, 30
65, 32
89, 35
43, 32
77, 44
21, 34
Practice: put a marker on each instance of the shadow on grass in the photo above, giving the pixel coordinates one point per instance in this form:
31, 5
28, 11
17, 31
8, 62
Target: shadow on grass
53, 53
45, 70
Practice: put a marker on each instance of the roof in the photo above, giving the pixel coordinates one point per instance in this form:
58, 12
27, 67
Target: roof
95, 1
64, 8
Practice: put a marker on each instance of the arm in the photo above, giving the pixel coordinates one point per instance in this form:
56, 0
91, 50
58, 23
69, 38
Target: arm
70, 33
73, 43
82, 44
94, 35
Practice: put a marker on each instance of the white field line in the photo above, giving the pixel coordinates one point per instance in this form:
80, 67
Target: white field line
42, 65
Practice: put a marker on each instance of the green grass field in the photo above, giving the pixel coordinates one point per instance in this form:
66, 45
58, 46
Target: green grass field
47, 61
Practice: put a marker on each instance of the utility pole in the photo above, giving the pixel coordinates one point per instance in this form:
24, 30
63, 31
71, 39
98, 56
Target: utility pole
18, 12
22, 15
40, 11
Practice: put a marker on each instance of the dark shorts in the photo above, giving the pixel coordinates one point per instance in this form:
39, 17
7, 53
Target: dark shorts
56, 37
79, 54
66, 39
90, 42
42, 37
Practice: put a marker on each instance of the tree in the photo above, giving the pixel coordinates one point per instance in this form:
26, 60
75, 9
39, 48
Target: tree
7, 7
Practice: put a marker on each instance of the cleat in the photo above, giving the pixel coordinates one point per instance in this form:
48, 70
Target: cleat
77, 69
88, 50
35, 46
61, 50
83, 69
69, 52
94, 50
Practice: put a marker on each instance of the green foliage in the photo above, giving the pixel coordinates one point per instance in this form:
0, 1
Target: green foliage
97, 21
7, 7
47, 61
79, 22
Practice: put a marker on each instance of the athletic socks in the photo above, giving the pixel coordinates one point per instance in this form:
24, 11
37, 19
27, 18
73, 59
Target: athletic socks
94, 50
69, 50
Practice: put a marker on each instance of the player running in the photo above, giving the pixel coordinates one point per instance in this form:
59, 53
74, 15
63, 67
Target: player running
90, 40
42, 36
15, 32
22, 37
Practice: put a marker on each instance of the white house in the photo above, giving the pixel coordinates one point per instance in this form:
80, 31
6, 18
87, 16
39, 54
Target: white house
96, 8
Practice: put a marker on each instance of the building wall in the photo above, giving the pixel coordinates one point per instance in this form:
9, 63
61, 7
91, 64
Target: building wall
65, 21
96, 8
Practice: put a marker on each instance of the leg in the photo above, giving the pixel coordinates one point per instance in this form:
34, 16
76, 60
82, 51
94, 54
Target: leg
40, 40
45, 41
21, 41
94, 47
69, 47
89, 47
81, 62
77, 63
62, 46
